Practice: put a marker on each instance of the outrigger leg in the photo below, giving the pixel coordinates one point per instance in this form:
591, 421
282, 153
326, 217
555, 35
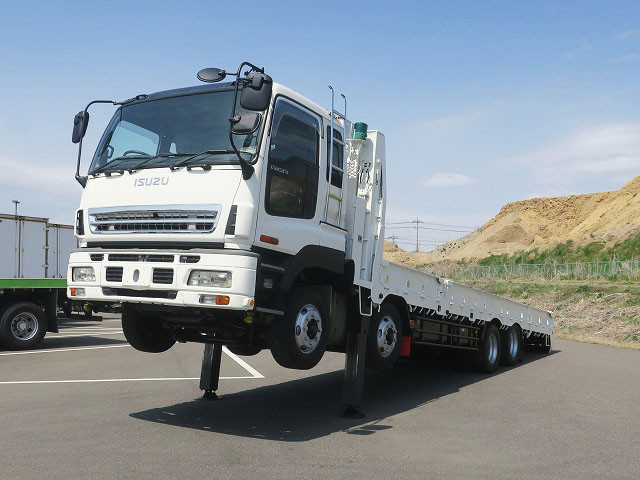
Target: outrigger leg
210, 372
354, 369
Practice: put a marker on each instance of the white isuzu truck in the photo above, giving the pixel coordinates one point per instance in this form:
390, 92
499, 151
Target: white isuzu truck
243, 214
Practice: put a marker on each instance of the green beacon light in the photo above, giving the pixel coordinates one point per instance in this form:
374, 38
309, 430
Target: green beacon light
360, 131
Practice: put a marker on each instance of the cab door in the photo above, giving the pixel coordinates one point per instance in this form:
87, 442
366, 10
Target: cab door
290, 211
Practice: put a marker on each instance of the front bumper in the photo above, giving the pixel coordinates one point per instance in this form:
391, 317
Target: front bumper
138, 282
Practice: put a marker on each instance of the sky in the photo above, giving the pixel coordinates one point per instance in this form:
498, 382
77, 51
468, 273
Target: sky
481, 103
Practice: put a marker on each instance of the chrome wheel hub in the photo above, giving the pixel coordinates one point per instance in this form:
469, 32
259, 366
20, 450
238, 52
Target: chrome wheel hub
24, 326
308, 329
386, 337
514, 344
493, 348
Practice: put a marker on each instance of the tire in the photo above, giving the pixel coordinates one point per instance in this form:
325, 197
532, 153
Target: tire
244, 350
298, 339
145, 333
22, 325
385, 338
487, 358
512, 346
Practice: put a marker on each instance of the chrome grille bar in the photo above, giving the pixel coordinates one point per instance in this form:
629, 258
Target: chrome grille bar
154, 219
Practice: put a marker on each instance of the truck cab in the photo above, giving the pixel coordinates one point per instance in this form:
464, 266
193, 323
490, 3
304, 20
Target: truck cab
171, 226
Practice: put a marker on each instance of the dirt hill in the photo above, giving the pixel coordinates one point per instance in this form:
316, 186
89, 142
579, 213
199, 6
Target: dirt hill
543, 223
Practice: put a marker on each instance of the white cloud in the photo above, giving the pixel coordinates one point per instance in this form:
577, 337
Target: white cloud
631, 57
609, 151
445, 180
456, 120
627, 34
36, 177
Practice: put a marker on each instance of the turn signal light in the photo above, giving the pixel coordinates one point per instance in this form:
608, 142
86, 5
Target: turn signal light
268, 239
222, 300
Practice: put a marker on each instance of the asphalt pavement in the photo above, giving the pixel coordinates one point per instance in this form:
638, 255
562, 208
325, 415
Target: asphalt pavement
85, 405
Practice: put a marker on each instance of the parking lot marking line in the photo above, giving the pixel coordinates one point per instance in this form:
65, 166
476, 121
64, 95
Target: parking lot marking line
88, 334
242, 363
55, 350
113, 380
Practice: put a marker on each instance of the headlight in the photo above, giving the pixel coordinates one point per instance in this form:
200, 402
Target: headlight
83, 274
210, 278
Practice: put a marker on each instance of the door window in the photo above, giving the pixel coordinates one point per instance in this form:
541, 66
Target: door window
292, 170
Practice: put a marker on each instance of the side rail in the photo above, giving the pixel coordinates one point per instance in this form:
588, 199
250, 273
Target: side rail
436, 296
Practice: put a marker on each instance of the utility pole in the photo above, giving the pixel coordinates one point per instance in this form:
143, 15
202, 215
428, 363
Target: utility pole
417, 221
393, 239
16, 202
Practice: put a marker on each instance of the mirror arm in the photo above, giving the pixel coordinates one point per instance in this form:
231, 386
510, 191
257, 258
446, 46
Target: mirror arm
247, 168
82, 179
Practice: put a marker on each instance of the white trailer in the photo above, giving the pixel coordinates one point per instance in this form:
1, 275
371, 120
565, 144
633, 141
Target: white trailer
265, 235
33, 265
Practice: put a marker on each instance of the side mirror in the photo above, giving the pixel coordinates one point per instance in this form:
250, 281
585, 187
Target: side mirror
256, 92
211, 75
245, 124
80, 124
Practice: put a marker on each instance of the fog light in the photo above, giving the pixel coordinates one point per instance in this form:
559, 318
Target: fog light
83, 274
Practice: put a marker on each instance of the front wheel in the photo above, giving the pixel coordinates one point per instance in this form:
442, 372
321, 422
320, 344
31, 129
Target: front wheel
22, 325
383, 342
244, 350
145, 333
298, 339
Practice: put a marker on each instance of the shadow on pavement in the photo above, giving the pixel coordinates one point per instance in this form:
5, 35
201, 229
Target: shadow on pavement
307, 408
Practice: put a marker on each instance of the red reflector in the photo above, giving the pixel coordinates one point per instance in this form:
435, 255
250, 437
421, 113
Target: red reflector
222, 300
268, 239
405, 346
73, 292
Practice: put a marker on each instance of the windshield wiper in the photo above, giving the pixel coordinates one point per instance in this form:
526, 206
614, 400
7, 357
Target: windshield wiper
196, 155
162, 155
107, 165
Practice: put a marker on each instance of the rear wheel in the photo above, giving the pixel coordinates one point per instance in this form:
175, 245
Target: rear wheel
145, 333
298, 339
487, 358
22, 325
383, 342
512, 346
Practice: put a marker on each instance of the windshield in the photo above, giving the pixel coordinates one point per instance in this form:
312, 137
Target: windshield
165, 132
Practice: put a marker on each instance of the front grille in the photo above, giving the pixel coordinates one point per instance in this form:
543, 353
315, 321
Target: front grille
163, 275
114, 274
189, 258
171, 219
97, 257
139, 257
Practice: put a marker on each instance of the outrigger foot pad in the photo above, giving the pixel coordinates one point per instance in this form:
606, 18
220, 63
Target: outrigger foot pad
208, 396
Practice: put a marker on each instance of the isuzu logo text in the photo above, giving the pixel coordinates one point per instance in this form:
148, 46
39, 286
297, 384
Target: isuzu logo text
148, 182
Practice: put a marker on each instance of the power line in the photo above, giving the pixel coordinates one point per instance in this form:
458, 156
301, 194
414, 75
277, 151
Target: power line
434, 224
433, 229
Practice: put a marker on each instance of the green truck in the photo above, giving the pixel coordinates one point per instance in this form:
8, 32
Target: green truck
33, 267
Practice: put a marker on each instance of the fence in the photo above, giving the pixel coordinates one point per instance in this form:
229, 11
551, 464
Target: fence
614, 269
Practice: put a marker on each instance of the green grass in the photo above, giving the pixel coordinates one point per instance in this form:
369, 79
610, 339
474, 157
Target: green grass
567, 252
